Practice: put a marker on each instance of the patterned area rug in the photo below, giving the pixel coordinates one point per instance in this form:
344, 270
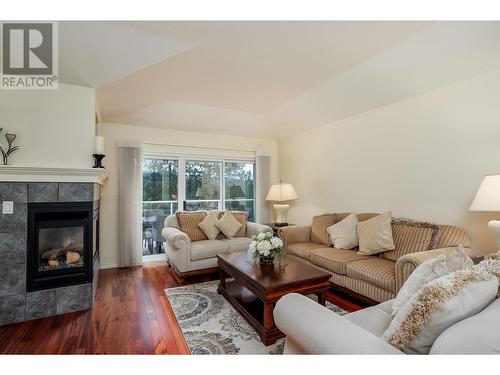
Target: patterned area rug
212, 326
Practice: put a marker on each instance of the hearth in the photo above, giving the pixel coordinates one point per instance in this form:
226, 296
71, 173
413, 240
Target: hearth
60, 239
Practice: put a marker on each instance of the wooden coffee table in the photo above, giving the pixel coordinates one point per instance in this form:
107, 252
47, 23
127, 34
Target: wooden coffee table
255, 289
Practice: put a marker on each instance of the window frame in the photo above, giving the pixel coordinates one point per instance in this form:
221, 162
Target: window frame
181, 176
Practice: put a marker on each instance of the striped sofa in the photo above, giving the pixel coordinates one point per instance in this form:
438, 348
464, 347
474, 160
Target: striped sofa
378, 277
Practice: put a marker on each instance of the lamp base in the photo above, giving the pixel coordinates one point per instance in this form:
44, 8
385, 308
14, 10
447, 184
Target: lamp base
494, 226
281, 211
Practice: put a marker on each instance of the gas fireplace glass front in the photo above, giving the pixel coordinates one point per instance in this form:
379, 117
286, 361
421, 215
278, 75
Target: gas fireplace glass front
60, 248
60, 238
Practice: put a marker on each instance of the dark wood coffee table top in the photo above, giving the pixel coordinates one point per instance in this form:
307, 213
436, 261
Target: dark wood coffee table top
254, 289
274, 278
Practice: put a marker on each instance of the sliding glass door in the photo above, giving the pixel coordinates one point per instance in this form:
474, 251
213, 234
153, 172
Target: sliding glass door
239, 180
190, 184
203, 185
160, 199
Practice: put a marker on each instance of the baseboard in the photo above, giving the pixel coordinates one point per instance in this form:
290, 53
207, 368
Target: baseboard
104, 266
154, 258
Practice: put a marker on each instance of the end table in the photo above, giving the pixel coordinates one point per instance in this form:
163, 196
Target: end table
275, 227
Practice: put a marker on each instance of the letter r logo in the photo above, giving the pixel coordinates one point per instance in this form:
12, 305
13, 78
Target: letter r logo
27, 48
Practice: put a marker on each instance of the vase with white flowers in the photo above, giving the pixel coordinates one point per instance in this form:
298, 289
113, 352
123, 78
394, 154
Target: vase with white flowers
265, 248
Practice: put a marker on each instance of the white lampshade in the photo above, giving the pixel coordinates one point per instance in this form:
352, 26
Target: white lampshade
281, 192
487, 198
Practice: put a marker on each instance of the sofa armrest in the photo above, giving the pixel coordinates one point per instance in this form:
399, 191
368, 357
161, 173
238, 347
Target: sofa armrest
313, 329
253, 229
177, 239
409, 262
294, 234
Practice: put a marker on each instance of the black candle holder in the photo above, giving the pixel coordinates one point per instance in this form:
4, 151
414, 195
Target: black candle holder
97, 160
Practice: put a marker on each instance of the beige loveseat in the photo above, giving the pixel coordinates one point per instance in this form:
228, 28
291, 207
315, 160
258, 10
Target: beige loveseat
377, 277
189, 257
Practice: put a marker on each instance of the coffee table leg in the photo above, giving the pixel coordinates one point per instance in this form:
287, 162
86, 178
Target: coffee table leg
321, 298
222, 280
268, 315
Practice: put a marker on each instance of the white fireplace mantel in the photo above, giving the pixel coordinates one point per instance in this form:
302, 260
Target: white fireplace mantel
9, 173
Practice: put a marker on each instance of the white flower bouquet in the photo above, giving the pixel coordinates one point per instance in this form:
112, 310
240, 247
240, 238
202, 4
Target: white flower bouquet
266, 248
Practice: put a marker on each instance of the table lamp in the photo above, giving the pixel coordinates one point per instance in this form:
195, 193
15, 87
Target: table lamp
281, 193
487, 199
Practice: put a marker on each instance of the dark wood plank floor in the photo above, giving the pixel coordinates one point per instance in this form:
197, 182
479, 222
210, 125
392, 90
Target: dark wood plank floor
131, 315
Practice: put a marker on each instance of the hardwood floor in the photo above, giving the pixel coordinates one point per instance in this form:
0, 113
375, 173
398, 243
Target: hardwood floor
131, 315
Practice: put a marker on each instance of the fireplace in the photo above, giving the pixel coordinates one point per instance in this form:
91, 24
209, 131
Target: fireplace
60, 244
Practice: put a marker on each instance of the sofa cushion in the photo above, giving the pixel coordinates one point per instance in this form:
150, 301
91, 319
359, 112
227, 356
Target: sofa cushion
303, 249
319, 226
208, 249
474, 335
333, 259
372, 319
450, 236
376, 271
188, 223
411, 236
238, 243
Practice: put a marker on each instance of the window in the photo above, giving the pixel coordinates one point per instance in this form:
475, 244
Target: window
191, 184
160, 199
239, 179
203, 185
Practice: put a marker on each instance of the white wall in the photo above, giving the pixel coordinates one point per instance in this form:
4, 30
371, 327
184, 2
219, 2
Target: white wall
114, 132
54, 128
422, 158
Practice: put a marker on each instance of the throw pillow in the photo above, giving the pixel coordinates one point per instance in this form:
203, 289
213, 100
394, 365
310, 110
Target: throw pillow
209, 226
228, 224
188, 223
437, 306
491, 264
319, 226
343, 234
429, 270
458, 259
450, 235
375, 235
241, 217
411, 236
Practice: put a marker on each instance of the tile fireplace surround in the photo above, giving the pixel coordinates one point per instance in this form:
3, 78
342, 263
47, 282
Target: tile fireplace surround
24, 186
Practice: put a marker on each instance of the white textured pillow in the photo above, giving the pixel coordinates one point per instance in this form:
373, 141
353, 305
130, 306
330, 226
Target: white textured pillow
375, 235
228, 224
343, 234
209, 226
429, 270
437, 306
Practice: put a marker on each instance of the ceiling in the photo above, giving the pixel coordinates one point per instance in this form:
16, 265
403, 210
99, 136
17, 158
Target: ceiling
266, 79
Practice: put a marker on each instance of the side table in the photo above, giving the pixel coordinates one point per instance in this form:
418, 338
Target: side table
275, 227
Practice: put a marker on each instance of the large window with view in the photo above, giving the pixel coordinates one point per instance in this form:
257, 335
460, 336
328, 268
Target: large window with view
191, 184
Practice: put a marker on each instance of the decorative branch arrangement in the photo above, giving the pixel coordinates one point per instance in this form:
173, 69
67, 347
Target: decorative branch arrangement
5, 154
